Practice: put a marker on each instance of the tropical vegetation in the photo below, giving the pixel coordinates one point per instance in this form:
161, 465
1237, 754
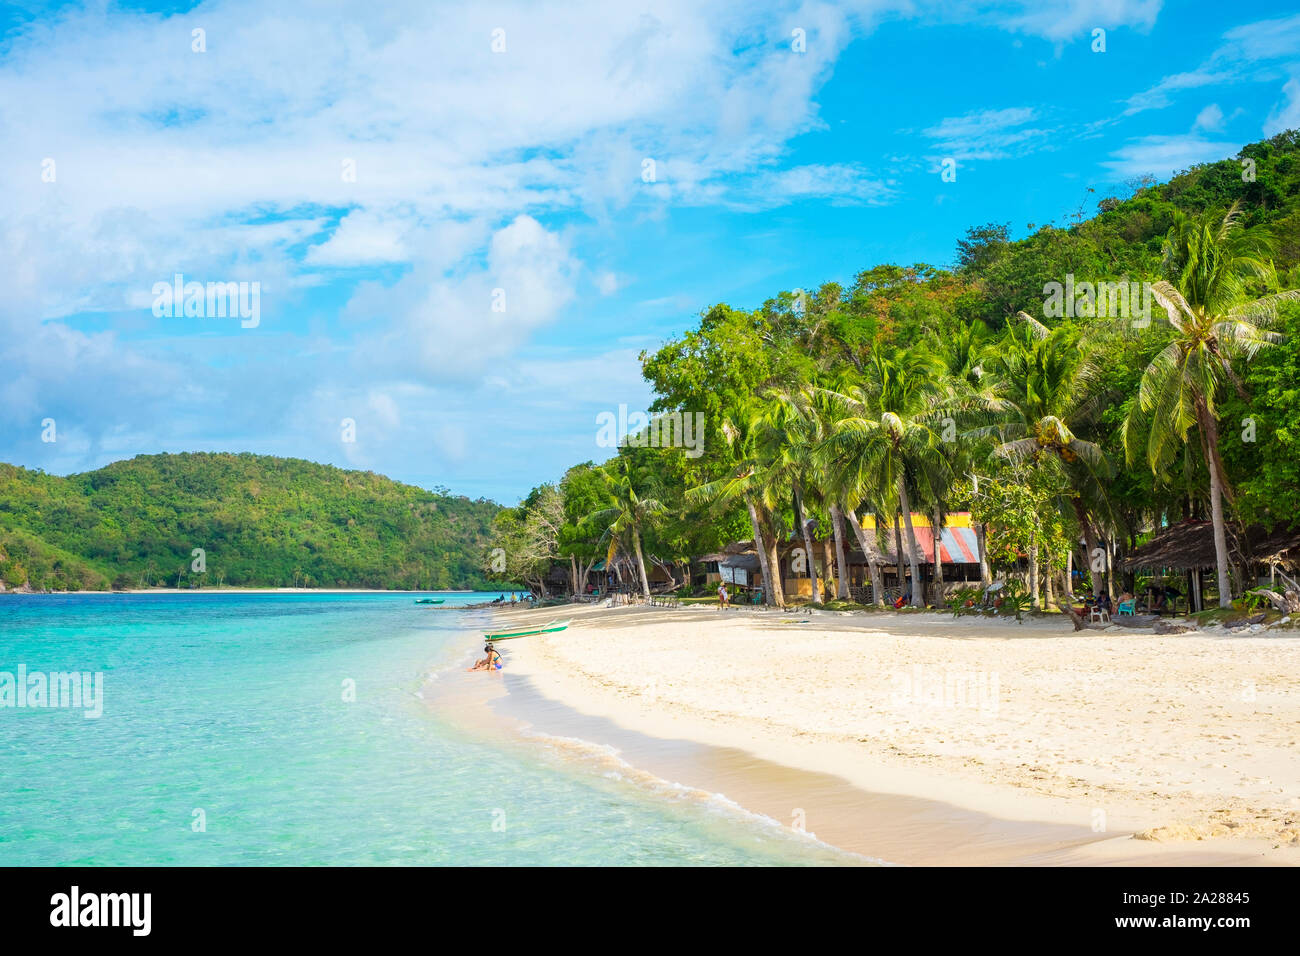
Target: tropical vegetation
1068, 434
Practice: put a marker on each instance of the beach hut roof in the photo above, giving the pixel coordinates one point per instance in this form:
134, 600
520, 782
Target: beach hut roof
1189, 545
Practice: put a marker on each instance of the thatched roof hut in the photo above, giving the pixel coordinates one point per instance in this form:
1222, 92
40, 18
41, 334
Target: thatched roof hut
1189, 546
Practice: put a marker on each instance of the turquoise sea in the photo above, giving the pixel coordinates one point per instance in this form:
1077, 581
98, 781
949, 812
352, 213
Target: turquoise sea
228, 710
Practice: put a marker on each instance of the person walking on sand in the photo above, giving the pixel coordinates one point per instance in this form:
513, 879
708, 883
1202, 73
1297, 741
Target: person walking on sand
722, 597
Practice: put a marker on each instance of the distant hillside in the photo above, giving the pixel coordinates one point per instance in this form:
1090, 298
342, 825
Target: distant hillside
261, 522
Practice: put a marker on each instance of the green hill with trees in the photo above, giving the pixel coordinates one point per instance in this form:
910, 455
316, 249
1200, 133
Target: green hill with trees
259, 521
1016, 384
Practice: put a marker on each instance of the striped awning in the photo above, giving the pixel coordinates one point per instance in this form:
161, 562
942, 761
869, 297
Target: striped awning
956, 545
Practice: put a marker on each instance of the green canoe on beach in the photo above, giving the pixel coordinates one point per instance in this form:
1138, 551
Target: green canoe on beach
544, 629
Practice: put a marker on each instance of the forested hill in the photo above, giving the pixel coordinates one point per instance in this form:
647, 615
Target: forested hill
261, 522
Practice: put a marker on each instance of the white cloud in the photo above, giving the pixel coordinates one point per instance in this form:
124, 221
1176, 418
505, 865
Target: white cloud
1286, 115
1163, 156
1159, 96
1210, 118
1246, 51
841, 183
363, 237
607, 283
452, 327
986, 134
1060, 21
1262, 40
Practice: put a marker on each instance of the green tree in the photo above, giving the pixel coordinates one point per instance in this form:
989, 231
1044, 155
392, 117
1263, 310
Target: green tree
1215, 271
630, 514
884, 435
1040, 397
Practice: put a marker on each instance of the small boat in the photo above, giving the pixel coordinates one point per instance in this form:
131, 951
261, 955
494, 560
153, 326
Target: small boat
429, 600
549, 628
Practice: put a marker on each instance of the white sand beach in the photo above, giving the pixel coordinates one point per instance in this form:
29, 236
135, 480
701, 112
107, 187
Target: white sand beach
1120, 746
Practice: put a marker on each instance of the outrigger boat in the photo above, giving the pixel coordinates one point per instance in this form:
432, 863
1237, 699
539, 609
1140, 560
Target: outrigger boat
549, 628
429, 600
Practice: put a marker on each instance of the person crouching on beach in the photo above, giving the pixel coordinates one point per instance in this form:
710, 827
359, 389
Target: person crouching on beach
491, 662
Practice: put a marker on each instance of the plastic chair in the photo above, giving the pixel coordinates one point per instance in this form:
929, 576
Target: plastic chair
1127, 607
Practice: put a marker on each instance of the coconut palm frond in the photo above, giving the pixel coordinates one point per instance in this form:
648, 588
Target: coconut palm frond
1172, 301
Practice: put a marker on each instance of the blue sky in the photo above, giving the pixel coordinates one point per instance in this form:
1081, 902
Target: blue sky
524, 170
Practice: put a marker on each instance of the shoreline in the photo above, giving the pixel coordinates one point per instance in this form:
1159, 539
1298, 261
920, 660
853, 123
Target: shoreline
644, 682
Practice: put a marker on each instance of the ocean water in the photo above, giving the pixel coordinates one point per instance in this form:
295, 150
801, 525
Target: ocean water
226, 738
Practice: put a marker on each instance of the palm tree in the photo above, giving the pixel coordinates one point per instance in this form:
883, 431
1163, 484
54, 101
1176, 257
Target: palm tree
883, 433
786, 433
963, 352
847, 483
1040, 395
1213, 273
752, 480
630, 515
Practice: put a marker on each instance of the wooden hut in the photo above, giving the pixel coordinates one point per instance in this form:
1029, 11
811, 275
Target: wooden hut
1186, 550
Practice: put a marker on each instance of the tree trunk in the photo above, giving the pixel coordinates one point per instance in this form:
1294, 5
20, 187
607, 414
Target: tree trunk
905, 505
1033, 572
807, 545
827, 563
873, 560
640, 563
777, 590
761, 548
898, 554
1089, 542
1047, 581
981, 542
1110, 574
1210, 430
841, 563
936, 534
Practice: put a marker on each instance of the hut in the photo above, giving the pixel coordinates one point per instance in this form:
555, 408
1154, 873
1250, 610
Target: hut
737, 564
1186, 551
